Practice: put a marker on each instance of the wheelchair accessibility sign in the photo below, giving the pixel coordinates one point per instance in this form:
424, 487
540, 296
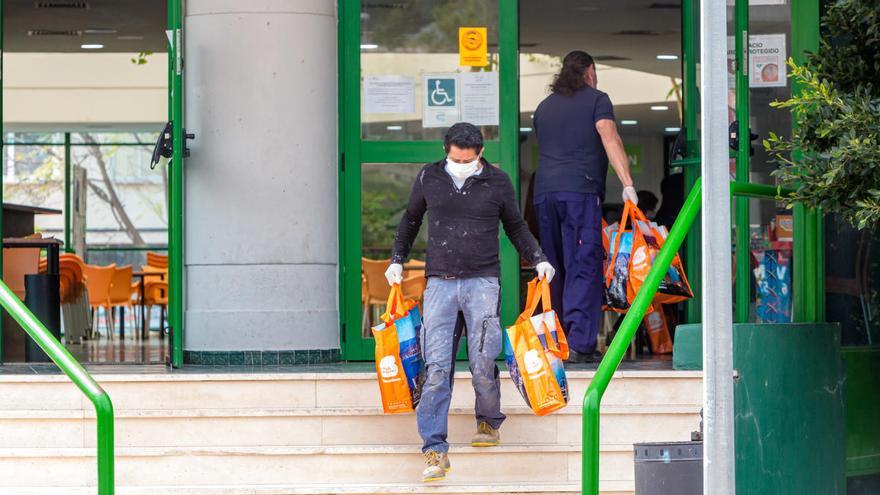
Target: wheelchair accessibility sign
441, 107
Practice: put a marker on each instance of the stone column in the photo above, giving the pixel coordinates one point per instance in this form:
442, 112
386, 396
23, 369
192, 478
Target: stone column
261, 183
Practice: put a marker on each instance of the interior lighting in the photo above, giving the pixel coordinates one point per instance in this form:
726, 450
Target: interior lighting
667, 57
91, 46
659, 108
629, 122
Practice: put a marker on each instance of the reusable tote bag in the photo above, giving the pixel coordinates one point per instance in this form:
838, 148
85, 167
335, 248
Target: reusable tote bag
648, 239
399, 364
535, 347
620, 248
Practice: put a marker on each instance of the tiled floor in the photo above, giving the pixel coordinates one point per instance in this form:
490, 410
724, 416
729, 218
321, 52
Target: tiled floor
662, 363
129, 350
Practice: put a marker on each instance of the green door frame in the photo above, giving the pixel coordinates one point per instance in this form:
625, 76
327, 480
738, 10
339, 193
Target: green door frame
176, 295
808, 284
355, 151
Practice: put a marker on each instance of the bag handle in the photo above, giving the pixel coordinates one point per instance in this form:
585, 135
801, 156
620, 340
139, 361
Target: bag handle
396, 306
558, 345
532, 299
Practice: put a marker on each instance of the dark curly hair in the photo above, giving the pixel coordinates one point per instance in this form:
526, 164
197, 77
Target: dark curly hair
571, 78
465, 136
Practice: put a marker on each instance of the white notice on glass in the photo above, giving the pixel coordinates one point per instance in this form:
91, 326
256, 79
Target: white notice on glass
767, 61
389, 94
479, 97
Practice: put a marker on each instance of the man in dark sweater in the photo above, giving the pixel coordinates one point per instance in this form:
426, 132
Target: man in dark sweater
465, 198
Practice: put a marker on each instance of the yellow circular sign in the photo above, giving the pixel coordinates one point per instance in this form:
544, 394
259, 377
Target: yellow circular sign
472, 39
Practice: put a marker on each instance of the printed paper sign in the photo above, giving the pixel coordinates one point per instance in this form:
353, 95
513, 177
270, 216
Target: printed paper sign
767, 61
479, 97
766, 65
473, 46
441, 106
389, 94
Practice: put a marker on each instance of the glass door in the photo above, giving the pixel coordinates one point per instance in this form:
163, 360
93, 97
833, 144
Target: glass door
408, 71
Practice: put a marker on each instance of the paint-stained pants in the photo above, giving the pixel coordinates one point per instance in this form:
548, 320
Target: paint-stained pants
478, 299
571, 237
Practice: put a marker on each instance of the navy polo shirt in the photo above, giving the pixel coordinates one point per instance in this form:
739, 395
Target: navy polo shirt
572, 158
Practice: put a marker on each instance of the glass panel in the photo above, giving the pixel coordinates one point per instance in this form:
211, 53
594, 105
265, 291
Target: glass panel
852, 281
771, 235
34, 175
127, 200
384, 195
33, 137
403, 43
770, 35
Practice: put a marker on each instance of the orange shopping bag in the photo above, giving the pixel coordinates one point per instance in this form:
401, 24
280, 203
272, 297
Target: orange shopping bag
399, 363
648, 239
535, 347
658, 331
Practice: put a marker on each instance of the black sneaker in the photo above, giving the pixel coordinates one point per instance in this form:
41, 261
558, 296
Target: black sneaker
578, 357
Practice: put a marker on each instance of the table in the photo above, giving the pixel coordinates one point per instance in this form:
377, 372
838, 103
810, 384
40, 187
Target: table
51, 245
18, 220
142, 276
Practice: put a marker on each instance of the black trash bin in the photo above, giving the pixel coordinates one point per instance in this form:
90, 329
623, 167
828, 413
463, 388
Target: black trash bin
669, 468
43, 299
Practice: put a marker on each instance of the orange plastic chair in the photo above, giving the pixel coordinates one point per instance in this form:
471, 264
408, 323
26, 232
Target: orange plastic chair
18, 262
98, 280
157, 260
375, 288
156, 294
121, 289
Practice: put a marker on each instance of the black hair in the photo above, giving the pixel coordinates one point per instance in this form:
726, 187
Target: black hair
465, 136
571, 77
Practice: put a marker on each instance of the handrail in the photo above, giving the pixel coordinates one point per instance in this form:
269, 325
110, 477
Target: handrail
80, 377
631, 322
635, 314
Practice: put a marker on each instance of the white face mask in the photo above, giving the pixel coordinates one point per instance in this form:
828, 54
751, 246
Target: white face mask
462, 170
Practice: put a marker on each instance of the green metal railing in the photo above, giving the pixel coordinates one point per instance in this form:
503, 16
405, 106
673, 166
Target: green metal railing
633, 318
80, 377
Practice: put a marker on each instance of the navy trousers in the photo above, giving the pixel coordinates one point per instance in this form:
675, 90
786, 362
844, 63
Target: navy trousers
571, 237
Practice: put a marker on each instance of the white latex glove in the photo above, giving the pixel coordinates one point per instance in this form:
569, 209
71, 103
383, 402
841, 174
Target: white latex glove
629, 194
394, 273
545, 269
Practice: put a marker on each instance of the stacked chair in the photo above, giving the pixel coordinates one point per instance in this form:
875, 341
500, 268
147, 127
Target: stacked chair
375, 289
156, 287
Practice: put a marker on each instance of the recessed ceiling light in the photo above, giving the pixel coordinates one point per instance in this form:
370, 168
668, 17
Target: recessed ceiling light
395, 127
629, 122
673, 129
91, 46
659, 108
525, 129
667, 57
369, 46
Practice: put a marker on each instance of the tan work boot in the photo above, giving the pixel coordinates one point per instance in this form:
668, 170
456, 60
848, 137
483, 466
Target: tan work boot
438, 466
486, 436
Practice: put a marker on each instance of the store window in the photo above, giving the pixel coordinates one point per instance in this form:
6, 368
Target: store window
414, 84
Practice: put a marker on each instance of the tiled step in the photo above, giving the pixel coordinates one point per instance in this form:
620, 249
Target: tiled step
345, 465
606, 488
310, 390
339, 426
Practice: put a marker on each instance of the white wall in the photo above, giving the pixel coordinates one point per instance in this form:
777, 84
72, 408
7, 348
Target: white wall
66, 90
261, 184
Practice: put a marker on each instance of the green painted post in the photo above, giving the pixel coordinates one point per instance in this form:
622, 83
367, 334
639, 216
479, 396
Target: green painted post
68, 218
743, 265
508, 20
340, 176
623, 338
690, 57
807, 289
78, 375
175, 206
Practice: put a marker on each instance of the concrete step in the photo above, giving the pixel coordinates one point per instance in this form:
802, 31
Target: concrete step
606, 488
329, 426
343, 465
